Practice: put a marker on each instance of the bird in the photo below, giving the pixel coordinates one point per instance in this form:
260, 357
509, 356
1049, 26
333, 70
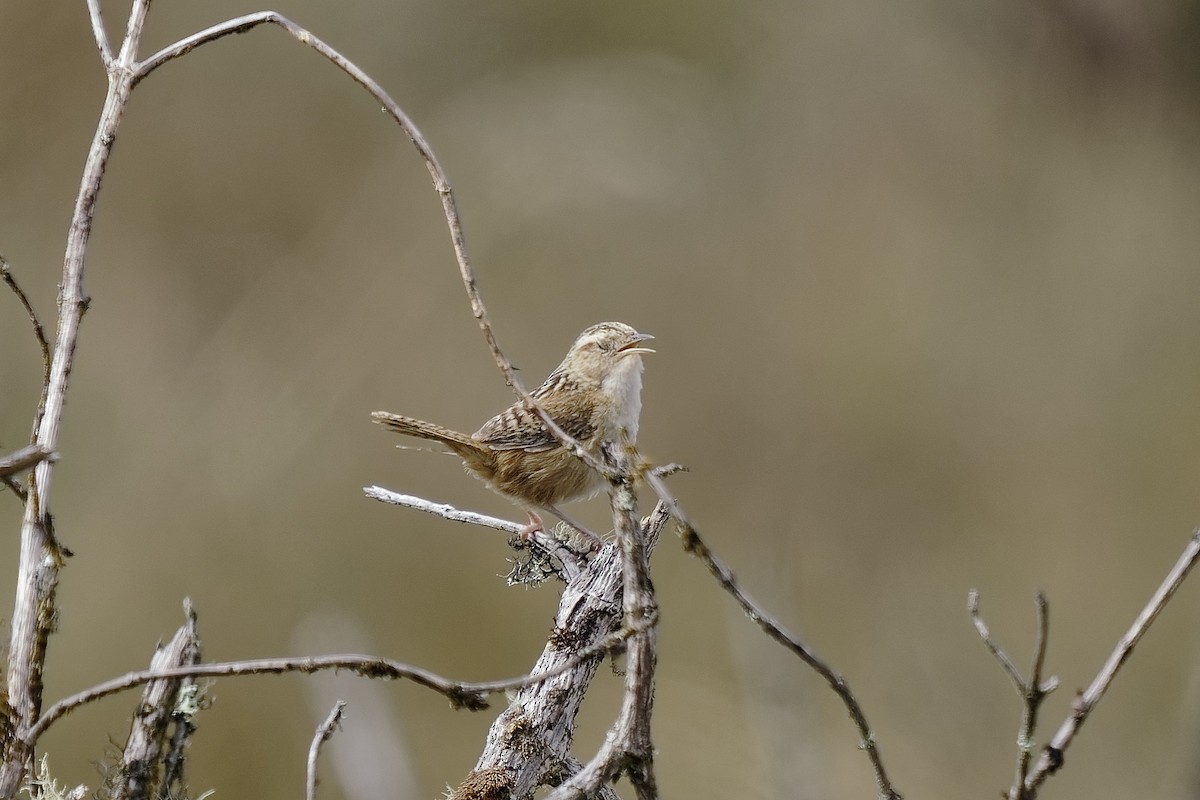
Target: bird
594, 395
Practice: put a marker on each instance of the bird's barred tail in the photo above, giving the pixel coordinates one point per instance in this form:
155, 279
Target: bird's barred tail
425, 430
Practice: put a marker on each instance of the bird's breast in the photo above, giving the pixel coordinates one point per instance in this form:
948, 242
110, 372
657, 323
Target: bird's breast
623, 391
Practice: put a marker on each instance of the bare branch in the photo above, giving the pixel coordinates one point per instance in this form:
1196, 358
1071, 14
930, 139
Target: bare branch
461, 694
570, 559
1035, 692
692, 543
441, 509
188, 704
440, 182
138, 774
324, 731
528, 744
25, 458
39, 331
628, 746
1051, 759
40, 556
1032, 692
1009, 666
100, 33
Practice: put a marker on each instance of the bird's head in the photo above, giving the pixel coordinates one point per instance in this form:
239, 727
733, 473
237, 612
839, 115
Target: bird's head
604, 348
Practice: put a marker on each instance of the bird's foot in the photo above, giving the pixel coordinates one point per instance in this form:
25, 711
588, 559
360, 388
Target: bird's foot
594, 541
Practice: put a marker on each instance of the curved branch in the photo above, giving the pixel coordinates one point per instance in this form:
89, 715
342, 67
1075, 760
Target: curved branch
693, 544
39, 332
461, 694
323, 734
440, 183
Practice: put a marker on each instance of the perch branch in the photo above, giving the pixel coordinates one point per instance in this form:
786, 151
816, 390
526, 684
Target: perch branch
528, 745
569, 558
628, 746
324, 732
1051, 759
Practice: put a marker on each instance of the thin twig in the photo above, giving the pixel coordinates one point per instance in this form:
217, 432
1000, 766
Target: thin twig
23, 459
100, 33
572, 564
1006, 663
1051, 759
692, 543
323, 734
16, 488
1032, 692
1035, 692
39, 331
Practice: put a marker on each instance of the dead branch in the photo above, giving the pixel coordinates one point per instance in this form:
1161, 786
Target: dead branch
40, 556
628, 747
25, 458
1051, 759
39, 332
529, 743
1032, 692
188, 703
461, 694
324, 732
139, 775
571, 560
101, 36
692, 543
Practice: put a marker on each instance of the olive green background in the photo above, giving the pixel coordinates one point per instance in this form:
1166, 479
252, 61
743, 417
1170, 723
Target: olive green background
924, 279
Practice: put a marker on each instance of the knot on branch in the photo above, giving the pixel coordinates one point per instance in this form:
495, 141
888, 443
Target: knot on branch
470, 699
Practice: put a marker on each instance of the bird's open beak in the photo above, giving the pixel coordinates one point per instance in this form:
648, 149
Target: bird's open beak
632, 347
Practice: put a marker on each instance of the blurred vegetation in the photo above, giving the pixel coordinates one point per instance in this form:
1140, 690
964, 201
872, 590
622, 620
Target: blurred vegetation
924, 282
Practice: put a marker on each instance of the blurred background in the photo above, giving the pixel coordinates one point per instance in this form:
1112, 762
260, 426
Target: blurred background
924, 282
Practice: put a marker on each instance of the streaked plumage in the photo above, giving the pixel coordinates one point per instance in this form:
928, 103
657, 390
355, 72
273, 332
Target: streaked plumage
595, 395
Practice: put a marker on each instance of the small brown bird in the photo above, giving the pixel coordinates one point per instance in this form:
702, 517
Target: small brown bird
595, 395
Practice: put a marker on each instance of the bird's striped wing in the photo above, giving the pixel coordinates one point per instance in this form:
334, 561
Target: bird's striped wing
520, 428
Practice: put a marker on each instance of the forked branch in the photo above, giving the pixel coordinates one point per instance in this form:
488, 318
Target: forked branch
1032, 691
